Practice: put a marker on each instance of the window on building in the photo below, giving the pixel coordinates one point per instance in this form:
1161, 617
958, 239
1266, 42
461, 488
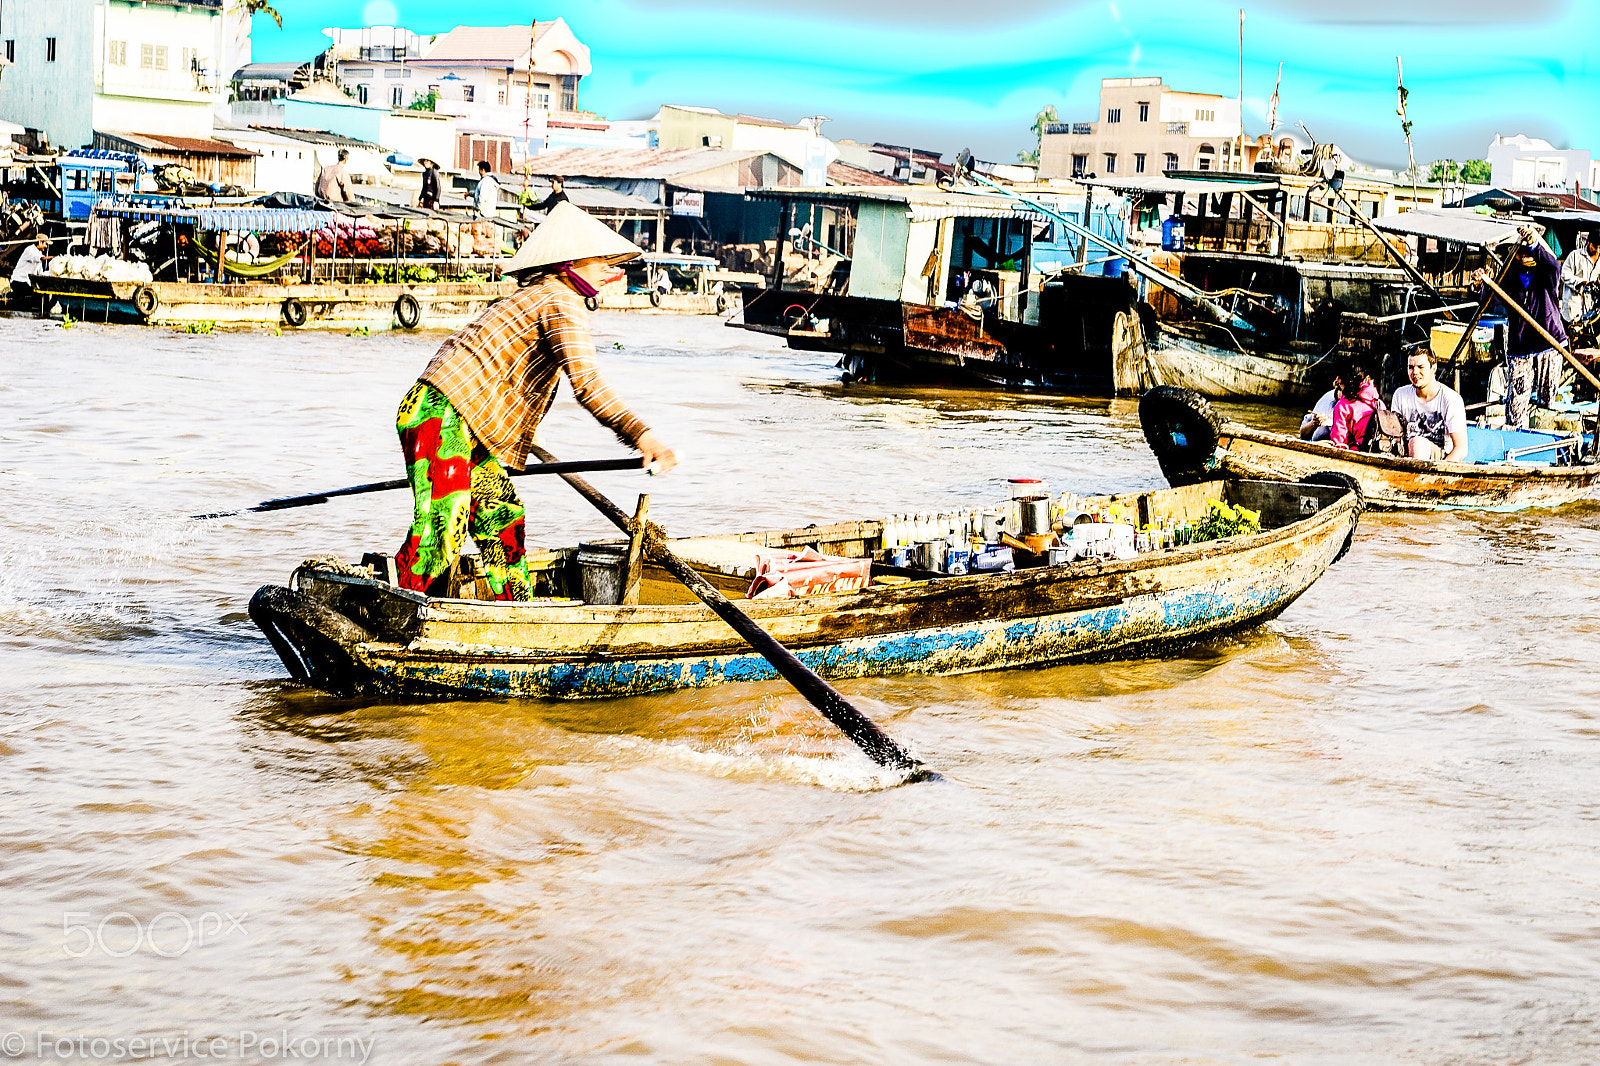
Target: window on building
147, 56
191, 59
1138, 162
397, 97
569, 92
500, 97
1080, 165
116, 53
361, 94
1144, 111
49, 49
1208, 115
161, 57
11, 50
1111, 162
433, 90
1172, 161
466, 93
1113, 114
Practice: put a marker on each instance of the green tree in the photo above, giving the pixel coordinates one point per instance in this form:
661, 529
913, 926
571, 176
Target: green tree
1470, 171
1040, 121
261, 7
422, 101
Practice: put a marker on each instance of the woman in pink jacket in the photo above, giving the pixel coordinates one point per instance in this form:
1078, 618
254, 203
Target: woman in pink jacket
1352, 411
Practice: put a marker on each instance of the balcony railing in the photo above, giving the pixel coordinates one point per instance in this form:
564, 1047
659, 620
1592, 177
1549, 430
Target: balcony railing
1178, 127
1082, 127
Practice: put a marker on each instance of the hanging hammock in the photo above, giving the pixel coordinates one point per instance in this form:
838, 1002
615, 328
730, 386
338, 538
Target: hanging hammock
249, 270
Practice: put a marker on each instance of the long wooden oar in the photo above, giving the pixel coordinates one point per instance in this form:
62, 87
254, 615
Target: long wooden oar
634, 462
878, 745
1466, 334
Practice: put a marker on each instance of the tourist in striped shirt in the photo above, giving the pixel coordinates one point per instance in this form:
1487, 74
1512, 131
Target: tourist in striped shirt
478, 404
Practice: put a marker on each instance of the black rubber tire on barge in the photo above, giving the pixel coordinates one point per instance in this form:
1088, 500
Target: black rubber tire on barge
1182, 430
407, 311
294, 312
145, 301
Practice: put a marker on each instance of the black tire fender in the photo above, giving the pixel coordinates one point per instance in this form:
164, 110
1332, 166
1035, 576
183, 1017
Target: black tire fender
294, 312
724, 301
407, 311
1182, 430
592, 302
655, 298
145, 301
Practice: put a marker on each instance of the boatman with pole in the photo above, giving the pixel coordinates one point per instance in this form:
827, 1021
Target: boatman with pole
1533, 368
476, 408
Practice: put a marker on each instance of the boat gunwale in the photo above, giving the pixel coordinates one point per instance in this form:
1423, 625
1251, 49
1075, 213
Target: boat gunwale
1474, 471
909, 594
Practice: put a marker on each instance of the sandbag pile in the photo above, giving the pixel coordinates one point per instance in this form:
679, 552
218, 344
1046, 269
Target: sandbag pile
99, 268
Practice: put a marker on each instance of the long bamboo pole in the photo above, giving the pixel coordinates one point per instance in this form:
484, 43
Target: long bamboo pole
1528, 318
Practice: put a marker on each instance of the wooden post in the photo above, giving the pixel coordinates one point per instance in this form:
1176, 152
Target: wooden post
633, 565
1088, 223
785, 220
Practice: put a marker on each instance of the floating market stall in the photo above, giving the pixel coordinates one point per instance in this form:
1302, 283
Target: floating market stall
257, 264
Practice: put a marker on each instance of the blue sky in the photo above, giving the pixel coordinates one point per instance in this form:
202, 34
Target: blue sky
945, 75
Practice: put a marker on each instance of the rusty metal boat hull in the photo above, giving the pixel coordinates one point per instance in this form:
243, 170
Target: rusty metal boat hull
1407, 484
348, 633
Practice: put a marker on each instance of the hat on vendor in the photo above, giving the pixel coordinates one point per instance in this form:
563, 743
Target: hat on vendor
570, 234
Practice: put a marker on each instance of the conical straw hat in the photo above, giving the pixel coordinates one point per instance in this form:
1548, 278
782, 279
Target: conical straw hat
568, 234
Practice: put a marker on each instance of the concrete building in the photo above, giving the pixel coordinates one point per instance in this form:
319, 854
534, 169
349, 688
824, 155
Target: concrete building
283, 164
678, 126
1144, 127
1531, 164
413, 133
504, 80
82, 66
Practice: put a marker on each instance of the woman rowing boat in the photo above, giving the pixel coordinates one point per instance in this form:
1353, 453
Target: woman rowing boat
477, 406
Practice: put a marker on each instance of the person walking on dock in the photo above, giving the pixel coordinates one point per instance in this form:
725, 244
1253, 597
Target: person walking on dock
477, 406
1532, 366
486, 195
429, 197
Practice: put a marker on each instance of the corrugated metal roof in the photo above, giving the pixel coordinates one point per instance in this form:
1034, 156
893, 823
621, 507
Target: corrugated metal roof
845, 174
1464, 227
152, 142
661, 164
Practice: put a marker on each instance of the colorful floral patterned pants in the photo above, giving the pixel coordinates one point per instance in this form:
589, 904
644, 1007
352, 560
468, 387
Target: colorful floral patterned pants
459, 490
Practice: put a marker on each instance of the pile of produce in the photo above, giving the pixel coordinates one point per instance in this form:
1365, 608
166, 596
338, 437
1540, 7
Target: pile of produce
99, 268
1224, 521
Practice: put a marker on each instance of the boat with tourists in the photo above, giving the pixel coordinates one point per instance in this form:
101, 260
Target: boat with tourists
1505, 469
610, 621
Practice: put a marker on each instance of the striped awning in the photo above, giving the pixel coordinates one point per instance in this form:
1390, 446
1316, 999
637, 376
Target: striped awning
224, 219
931, 212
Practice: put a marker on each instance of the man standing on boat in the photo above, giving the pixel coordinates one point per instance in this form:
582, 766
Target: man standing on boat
486, 195
477, 406
1579, 271
334, 182
29, 263
1532, 366
429, 196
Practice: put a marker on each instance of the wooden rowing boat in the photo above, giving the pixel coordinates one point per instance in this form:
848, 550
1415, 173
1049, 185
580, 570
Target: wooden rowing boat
1192, 442
347, 630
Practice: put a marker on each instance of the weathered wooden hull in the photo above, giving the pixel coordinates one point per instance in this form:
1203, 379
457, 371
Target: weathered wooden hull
1188, 361
325, 306
1407, 484
375, 639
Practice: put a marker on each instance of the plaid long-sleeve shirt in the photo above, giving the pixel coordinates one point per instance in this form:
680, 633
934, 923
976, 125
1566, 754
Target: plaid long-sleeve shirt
502, 370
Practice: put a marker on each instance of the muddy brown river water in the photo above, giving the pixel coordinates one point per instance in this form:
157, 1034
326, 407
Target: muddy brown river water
1368, 832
